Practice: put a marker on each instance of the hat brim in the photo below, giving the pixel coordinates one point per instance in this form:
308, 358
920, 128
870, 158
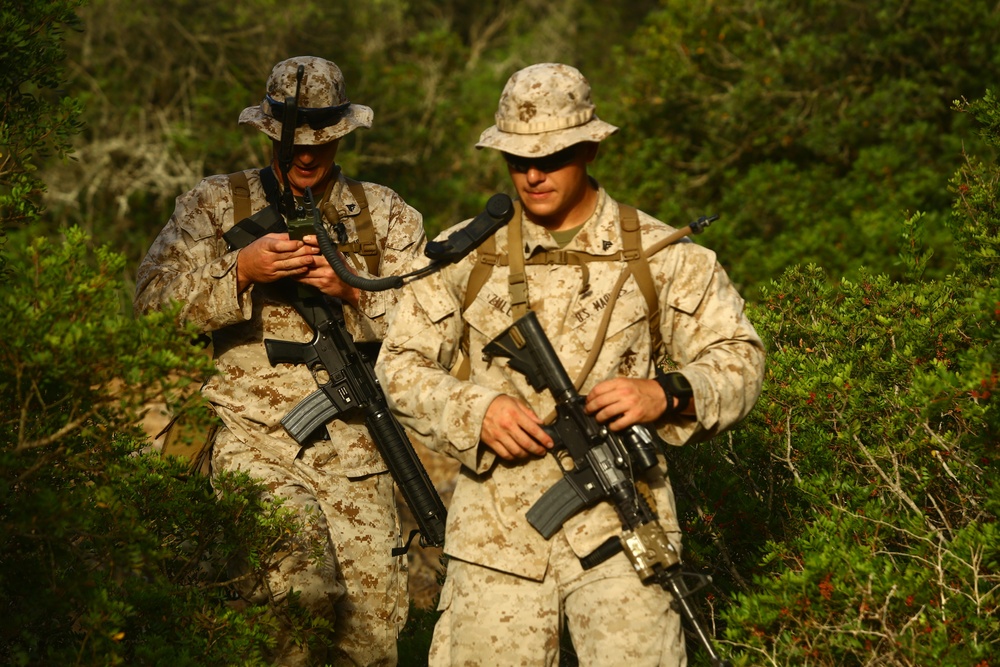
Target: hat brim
545, 143
358, 115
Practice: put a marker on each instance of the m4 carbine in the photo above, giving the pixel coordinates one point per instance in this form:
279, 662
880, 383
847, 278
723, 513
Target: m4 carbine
347, 383
604, 467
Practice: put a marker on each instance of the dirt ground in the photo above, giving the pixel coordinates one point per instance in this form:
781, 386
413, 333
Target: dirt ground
425, 566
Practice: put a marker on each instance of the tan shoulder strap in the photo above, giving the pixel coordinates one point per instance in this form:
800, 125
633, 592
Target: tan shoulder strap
366, 246
516, 280
486, 259
632, 253
239, 185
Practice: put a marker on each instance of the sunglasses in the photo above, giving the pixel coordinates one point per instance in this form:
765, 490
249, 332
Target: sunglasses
546, 164
317, 119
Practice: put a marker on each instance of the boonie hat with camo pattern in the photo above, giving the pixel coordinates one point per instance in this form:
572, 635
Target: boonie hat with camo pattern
543, 109
324, 111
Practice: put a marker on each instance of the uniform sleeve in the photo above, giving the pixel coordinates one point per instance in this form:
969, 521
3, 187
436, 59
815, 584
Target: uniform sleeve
189, 263
404, 243
706, 332
419, 350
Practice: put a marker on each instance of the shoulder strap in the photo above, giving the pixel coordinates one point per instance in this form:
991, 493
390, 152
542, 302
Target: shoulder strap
366, 245
486, 259
249, 226
632, 253
239, 184
516, 280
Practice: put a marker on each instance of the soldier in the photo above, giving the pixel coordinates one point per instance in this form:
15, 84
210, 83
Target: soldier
508, 590
338, 483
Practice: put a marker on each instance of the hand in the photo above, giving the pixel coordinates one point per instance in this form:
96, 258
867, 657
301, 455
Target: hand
271, 258
622, 402
322, 276
513, 431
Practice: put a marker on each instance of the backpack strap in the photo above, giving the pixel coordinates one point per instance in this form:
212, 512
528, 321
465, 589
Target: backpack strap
486, 259
250, 227
634, 255
239, 185
366, 245
516, 279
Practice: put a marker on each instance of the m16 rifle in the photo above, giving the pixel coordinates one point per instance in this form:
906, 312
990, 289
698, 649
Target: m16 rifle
347, 383
604, 468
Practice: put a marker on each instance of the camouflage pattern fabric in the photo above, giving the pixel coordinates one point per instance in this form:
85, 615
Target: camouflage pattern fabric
189, 262
322, 89
491, 618
543, 109
354, 583
704, 329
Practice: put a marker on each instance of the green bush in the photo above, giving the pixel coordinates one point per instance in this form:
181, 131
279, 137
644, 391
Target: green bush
866, 530
809, 126
111, 554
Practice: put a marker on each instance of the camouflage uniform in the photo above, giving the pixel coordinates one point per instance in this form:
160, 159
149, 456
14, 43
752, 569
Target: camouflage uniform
339, 485
507, 587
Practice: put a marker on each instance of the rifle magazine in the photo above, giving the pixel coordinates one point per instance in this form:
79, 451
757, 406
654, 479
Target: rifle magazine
556, 505
309, 416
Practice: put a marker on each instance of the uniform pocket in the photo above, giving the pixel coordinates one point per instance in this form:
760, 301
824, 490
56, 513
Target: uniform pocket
487, 317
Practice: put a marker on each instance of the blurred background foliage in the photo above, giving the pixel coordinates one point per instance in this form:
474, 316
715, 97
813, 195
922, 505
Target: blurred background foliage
850, 149
813, 127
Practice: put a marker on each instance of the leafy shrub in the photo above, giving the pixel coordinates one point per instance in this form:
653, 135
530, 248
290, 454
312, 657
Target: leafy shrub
868, 525
111, 554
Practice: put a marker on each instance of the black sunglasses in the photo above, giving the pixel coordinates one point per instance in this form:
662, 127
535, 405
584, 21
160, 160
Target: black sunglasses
546, 163
317, 118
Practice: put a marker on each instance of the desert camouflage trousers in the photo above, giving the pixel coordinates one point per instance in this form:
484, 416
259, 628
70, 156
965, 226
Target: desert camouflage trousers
357, 584
494, 618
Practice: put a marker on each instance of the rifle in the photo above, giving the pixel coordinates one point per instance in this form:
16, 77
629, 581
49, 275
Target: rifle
604, 467
347, 382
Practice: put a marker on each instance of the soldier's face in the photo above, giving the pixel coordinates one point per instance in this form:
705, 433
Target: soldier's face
312, 166
558, 195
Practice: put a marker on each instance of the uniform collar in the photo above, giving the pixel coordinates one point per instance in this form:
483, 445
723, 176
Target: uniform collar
599, 234
341, 198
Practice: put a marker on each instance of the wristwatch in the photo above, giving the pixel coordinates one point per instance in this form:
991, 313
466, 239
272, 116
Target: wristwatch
675, 385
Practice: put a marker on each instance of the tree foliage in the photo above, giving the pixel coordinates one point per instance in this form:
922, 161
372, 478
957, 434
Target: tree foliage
110, 554
35, 120
808, 125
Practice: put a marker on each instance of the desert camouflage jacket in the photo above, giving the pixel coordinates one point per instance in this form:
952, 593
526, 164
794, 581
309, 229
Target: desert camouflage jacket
704, 331
190, 262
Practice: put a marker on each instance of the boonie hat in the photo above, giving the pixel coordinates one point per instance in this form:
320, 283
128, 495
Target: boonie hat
324, 111
543, 109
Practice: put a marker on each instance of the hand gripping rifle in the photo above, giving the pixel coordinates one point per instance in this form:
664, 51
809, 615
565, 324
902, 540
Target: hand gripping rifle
604, 467
347, 382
